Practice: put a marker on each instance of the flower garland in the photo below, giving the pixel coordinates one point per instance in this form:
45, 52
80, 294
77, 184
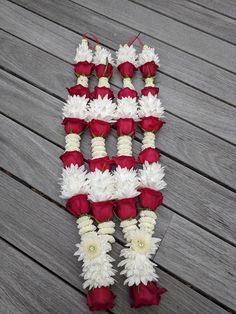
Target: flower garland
77, 186
138, 268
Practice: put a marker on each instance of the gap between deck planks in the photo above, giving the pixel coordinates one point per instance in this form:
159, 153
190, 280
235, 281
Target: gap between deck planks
177, 64
169, 31
228, 8
30, 216
195, 16
43, 116
46, 79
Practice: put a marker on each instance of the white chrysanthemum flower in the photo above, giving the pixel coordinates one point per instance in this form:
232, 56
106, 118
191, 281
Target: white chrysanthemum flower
97, 264
147, 55
150, 106
83, 53
126, 53
127, 107
138, 268
126, 183
102, 56
74, 181
101, 186
101, 109
76, 107
151, 176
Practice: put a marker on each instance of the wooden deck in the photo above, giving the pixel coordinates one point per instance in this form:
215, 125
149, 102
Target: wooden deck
197, 257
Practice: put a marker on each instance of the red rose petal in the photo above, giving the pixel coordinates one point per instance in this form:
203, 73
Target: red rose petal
100, 299
150, 198
102, 211
72, 158
73, 125
149, 154
78, 205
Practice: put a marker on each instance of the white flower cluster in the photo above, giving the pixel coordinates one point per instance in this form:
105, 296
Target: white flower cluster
126, 53
151, 176
83, 53
101, 109
76, 107
102, 56
150, 106
127, 107
101, 186
147, 55
126, 183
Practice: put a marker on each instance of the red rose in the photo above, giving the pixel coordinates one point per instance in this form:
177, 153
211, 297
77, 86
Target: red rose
144, 295
73, 125
83, 68
103, 91
150, 198
79, 90
148, 69
103, 163
149, 154
78, 205
151, 124
99, 128
125, 126
103, 70
72, 158
99, 299
126, 208
124, 161
127, 69
150, 89
127, 92
102, 211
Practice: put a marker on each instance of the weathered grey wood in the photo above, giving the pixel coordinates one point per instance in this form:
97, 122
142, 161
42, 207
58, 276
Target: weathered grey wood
195, 16
28, 288
191, 251
165, 29
227, 7
187, 192
62, 42
52, 233
50, 73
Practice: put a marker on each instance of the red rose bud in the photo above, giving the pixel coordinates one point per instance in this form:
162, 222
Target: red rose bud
150, 89
79, 90
144, 295
127, 92
148, 69
99, 128
73, 125
78, 205
83, 68
125, 126
126, 208
103, 70
103, 91
151, 124
102, 211
103, 163
127, 69
100, 299
124, 161
150, 198
149, 154
72, 158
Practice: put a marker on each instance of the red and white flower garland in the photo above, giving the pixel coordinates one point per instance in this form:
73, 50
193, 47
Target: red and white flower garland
138, 268
78, 186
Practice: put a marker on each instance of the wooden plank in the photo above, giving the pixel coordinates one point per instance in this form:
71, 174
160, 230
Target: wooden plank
28, 288
195, 16
61, 42
52, 234
187, 192
191, 251
43, 70
169, 31
227, 8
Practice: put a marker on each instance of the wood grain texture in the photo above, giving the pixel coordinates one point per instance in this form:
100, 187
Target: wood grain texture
227, 8
195, 16
187, 249
163, 28
53, 75
52, 233
28, 288
60, 41
186, 193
